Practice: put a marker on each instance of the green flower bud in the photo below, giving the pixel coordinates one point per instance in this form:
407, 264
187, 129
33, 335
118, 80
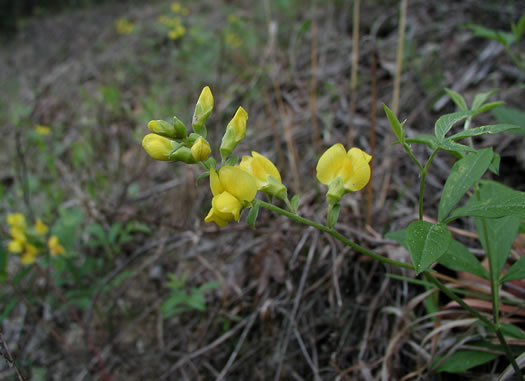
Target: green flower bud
163, 128
202, 111
183, 154
234, 134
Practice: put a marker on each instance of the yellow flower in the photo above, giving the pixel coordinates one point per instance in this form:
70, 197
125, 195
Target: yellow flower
16, 220
29, 255
177, 32
200, 149
158, 147
180, 9
265, 174
343, 171
54, 246
124, 26
42, 130
18, 234
231, 186
40, 227
235, 131
15, 246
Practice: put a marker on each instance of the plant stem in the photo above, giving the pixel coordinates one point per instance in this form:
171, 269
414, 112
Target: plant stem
423, 175
333, 233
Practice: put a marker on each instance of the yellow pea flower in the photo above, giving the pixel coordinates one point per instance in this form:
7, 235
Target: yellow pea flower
18, 235
200, 149
202, 112
177, 130
42, 130
17, 220
29, 255
265, 174
40, 227
15, 246
54, 246
231, 187
124, 26
235, 132
343, 171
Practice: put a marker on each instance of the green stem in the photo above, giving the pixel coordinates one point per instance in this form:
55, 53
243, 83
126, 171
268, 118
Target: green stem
411, 155
423, 174
333, 233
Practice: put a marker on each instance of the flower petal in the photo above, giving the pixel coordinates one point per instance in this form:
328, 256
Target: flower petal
226, 206
330, 163
238, 183
264, 167
360, 175
215, 183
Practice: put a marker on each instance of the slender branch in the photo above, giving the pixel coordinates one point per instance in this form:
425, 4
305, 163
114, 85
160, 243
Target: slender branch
333, 233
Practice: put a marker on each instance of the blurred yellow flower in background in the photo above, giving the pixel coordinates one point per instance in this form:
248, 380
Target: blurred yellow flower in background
40, 227
42, 130
54, 245
124, 26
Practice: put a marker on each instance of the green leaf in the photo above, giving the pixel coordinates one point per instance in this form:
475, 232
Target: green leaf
511, 116
445, 123
463, 360
496, 234
426, 139
459, 258
294, 202
507, 202
516, 271
397, 127
494, 164
114, 233
232, 160
519, 29
512, 331
456, 148
202, 176
399, 236
211, 163
457, 99
487, 107
496, 35
426, 243
481, 98
252, 216
212, 285
463, 175
490, 129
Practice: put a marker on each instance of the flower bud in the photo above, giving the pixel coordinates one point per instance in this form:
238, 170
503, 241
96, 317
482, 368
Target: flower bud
202, 111
183, 154
200, 149
234, 134
158, 147
163, 128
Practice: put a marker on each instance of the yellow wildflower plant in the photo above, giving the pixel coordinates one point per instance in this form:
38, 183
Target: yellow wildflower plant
265, 174
15, 246
55, 248
178, 8
42, 130
164, 149
177, 130
40, 227
17, 220
343, 171
18, 235
231, 188
124, 26
235, 132
200, 149
177, 32
29, 255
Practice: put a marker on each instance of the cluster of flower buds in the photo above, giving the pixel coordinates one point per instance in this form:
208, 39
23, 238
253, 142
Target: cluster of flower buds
235, 185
